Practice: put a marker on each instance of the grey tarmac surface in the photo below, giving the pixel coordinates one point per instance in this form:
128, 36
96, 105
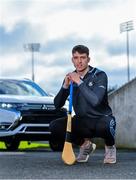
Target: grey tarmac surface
46, 164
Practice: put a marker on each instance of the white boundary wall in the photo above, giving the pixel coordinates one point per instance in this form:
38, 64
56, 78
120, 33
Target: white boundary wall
123, 104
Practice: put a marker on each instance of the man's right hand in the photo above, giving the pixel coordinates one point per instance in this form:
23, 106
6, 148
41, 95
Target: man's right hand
66, 81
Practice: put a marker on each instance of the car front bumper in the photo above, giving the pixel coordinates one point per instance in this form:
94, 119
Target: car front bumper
33, 123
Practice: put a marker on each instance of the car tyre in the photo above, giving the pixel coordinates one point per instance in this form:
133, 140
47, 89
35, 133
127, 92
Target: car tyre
12, 144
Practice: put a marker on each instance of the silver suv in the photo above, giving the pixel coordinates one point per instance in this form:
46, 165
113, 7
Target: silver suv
26, 111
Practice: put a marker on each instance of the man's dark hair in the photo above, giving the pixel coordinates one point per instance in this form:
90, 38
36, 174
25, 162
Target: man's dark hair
80, 49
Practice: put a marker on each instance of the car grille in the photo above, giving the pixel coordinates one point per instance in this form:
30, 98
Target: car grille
42, 116
37, 129
37, 121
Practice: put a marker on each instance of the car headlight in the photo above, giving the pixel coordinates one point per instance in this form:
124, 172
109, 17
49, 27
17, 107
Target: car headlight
8, 105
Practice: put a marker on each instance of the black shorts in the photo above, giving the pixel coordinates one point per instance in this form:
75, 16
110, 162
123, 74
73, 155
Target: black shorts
84, 127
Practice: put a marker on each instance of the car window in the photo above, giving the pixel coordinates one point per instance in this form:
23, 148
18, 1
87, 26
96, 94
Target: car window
24, 88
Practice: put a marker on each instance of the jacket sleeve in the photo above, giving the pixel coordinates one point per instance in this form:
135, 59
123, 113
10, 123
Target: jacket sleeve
61, 97
95, 90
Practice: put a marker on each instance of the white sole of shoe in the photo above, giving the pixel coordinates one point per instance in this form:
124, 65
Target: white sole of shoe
108, 162
82, 161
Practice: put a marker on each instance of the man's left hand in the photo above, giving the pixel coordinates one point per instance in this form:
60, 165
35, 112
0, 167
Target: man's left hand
74, 77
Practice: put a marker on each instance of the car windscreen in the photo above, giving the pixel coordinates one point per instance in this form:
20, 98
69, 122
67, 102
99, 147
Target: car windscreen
23, 88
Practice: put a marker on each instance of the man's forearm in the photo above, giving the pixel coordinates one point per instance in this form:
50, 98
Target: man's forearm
61, 97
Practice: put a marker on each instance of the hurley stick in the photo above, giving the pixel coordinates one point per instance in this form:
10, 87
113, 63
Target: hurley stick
68, 155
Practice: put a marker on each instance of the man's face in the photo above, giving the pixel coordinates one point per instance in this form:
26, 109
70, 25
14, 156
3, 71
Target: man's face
80, 61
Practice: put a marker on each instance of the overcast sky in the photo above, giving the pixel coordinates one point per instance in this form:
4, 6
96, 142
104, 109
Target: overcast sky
58, 25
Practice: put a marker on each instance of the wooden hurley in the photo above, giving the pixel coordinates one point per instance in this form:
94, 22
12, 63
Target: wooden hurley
68, 155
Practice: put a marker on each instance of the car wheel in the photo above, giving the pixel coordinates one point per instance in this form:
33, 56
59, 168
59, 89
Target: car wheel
12, 144
56, 146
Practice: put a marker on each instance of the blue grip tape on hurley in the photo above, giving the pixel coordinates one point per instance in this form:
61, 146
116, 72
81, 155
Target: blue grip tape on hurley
71, 97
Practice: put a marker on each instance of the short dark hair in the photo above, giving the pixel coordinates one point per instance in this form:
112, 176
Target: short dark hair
80, 49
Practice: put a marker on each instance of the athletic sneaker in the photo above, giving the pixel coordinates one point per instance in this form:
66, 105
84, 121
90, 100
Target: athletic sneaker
110, 154
85, 152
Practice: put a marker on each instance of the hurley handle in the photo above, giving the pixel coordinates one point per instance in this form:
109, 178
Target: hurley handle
71, 97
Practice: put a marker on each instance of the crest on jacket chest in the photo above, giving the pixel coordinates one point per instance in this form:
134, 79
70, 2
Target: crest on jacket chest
90, 84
